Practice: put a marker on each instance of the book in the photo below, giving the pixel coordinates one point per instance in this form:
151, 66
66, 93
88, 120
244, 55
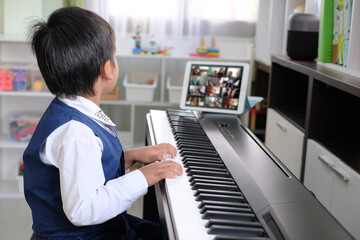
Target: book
338, 32
347, 25
326, 31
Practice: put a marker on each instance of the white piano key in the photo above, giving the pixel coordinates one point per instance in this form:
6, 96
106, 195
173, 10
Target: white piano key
186, 217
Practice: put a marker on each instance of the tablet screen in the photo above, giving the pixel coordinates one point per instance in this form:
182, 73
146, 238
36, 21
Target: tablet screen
215, 87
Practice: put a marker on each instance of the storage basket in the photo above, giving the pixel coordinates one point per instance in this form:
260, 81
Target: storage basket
174, 85
140, 86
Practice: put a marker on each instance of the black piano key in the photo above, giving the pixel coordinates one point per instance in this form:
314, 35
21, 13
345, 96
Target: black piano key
186, 128
233, 237
203, 159
180, 113
210, 169
212, 222
197, 154
207, 173
221, 203
211, 181
196, 146
185, 131
220, 192
183, 119
203, 152
228, 215
200, 178
236, 231
194, 143
219, 197
191, 137
185, 124
203, 164
224, 187
225, 209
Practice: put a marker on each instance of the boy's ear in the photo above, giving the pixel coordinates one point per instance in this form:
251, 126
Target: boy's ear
106, 71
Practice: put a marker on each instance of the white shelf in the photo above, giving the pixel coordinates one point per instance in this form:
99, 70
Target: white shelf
10, 189
7, 143
26, 94
184, 57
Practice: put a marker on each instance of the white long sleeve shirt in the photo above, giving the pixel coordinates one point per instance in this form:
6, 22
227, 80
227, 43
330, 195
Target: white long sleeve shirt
75, 150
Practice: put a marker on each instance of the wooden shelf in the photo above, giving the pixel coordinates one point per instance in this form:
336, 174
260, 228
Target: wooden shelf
320, 101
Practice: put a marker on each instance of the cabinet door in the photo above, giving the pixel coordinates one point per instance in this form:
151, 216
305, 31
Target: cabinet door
285, 141
346, 198
318, 176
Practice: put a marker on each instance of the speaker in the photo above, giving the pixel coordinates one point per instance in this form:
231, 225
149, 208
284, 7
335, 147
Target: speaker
303, 35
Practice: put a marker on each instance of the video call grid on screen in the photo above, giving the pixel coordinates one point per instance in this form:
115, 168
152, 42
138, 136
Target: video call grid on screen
215, 87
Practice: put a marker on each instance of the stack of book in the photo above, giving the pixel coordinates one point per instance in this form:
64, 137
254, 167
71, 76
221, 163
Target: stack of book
334, 32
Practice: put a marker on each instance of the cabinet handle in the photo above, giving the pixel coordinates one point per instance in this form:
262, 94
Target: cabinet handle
326, 161
281, 127
340, 173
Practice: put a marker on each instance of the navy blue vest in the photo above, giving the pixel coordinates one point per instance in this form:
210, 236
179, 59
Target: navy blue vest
41, 181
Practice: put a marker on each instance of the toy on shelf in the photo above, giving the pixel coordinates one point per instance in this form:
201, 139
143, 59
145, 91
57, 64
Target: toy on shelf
202, 51
12, 79
21, 169
152, 50
213, 52
137, 38
22, 126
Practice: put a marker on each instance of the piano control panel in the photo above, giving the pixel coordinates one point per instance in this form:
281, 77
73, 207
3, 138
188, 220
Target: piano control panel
224, 128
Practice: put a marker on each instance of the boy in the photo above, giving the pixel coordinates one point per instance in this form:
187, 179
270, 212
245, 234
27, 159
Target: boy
74, 179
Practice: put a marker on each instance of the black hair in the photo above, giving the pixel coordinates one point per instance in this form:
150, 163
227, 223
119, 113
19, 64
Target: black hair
71, 48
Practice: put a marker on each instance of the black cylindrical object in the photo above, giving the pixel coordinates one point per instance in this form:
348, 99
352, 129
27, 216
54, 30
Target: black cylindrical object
302, 38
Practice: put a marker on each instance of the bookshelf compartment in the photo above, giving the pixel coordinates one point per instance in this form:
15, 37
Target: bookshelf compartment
334, 122
288, 93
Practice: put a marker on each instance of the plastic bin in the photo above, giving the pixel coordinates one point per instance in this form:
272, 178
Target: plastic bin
174, 84
22, 126
140, 86
37, 80
14, 76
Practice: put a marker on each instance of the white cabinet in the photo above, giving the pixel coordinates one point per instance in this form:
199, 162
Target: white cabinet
335, 185
285, 141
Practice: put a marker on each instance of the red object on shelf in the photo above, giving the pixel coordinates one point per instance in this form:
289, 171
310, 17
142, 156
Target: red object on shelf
258, 111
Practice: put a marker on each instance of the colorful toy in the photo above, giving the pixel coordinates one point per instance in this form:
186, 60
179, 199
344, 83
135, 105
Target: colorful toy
21, 169
152, 50
13, 79
137, 37
202, 50
6, 80
213, 52
22, 128
19, 80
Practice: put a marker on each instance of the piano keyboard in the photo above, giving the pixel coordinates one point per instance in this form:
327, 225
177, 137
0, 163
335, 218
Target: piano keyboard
205, 202
233, 187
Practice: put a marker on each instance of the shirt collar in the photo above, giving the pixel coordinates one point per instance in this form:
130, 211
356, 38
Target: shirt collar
88, 108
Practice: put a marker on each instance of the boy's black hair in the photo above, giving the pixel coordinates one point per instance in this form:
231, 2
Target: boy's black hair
71, 48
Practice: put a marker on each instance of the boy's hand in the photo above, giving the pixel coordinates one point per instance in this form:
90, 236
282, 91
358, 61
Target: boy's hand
159, 170
150, 154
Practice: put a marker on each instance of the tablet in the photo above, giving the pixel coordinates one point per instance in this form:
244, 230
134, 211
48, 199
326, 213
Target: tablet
217, 87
